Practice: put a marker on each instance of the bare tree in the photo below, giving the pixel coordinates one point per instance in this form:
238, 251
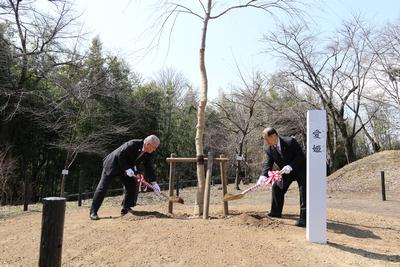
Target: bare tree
38, 44
386, 46
36, 35
337, 73
239, 114
207, 11
287, 104
75, 116
7, 166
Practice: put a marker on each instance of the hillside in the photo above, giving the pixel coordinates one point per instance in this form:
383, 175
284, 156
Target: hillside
364, 175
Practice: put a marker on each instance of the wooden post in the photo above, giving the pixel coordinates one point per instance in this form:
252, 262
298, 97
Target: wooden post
222, 165
27, 194
206, 204
52, 231
383, 185
177, 186
171, 182
80, 183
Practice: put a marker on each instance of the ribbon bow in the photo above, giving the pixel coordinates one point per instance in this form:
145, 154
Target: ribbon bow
273, 177
142, 183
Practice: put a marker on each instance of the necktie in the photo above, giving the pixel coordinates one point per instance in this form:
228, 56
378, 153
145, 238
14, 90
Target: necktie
279, 150
141, 154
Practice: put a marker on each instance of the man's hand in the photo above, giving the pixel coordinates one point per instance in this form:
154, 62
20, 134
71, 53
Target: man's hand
156, 187
130, 172
286, 169
262, 179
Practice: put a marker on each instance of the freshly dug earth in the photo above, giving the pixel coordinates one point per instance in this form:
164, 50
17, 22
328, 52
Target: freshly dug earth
363, 230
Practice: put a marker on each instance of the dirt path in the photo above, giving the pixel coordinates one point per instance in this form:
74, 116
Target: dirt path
361, 232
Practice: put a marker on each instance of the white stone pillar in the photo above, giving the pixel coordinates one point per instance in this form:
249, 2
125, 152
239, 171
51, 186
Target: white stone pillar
316, 176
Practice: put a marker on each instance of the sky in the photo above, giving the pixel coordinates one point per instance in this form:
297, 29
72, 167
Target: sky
125, 29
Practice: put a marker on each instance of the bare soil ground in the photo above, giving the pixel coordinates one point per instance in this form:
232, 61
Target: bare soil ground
363, 230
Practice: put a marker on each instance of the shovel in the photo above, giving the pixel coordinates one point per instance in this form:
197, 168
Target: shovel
229, 197
172, 199
274, 176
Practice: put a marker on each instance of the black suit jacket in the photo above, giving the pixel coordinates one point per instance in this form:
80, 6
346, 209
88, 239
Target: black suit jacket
292, 155
127, 156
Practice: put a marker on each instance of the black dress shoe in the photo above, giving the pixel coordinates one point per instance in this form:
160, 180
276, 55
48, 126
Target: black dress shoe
270, 214
301, 223
93, 216
125, 211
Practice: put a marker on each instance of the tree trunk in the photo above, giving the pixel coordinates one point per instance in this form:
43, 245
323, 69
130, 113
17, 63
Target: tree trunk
198, 209
64, 176
340, 122
26, 191
350, 155
331, 157
375, 145
348, 141
237, 178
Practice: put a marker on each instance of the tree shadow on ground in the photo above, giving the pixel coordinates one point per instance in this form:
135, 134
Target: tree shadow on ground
154, 214
351, 230
369, 226
365, 253
140, 214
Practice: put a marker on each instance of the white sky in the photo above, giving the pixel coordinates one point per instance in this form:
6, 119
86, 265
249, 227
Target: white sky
124, 27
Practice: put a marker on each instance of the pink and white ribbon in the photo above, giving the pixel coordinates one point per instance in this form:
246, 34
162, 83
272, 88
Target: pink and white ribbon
142, 183
273, 177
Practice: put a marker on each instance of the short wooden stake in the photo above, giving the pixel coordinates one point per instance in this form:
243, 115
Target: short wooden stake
52, 231
80, 183
171, 183
222, 165
383, 185
206, 205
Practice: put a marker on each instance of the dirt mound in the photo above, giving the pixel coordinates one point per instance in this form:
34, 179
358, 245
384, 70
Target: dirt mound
364, 175
254, 219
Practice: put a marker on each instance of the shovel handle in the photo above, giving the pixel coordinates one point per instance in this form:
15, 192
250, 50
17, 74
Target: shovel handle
179, 200
250, 188
151, 186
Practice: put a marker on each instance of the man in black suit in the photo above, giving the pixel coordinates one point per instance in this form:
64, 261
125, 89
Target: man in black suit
121, 162
288, 155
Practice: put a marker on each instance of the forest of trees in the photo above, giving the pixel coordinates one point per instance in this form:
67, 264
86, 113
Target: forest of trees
65, 102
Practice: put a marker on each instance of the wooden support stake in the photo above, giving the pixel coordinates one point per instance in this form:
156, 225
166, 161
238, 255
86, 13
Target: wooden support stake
52, 231
27, 194
171, 182
177, 186
80, 183
383, 185
206, 205
222, 165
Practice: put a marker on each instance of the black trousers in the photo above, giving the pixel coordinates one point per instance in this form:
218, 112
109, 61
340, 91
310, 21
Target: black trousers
278, 195
130, 191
